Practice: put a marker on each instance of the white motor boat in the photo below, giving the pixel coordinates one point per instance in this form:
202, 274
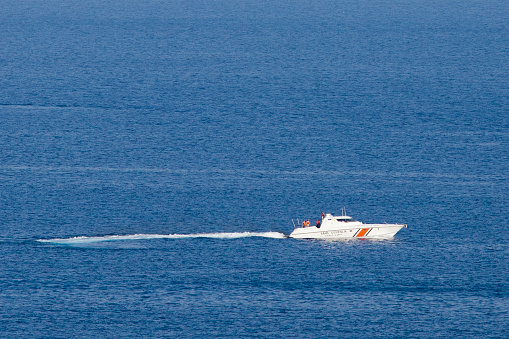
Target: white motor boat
343, 227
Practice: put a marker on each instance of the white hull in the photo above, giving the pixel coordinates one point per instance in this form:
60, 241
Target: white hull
344, 228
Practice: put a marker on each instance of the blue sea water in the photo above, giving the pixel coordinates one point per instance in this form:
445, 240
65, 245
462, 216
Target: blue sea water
154, 154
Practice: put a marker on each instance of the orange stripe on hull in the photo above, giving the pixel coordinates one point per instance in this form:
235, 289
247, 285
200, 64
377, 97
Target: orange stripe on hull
362, 232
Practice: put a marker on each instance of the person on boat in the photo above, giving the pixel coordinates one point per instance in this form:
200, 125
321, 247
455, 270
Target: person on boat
304, 223
323, 215
308, 223
318, 224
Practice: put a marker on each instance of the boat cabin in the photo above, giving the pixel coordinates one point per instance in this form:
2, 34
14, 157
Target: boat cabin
342, 218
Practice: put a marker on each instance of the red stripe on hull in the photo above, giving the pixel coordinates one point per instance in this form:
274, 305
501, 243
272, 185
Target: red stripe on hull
362, 232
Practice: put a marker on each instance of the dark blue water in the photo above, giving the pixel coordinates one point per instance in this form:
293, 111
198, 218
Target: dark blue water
140, 140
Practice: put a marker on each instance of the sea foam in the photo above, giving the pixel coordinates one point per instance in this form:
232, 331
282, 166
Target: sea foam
235, 235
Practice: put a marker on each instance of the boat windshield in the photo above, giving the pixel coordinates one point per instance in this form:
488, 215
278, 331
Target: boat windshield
345, 220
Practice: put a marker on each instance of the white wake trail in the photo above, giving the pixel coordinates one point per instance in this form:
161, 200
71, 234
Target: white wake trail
236, 235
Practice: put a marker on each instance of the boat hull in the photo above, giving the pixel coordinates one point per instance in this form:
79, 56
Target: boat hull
363, 231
